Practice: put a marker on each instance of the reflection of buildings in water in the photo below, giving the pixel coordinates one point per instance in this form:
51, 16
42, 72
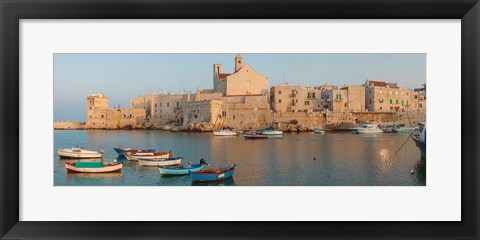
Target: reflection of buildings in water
226, 182
384, 160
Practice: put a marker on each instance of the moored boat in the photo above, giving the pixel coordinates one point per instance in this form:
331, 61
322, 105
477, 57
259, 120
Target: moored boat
369, 129
93, 167
226, 131
122, 151
421, 140
271, 131
212, 175
181, 169
402, 129
318, 131
77, 152
254, 136
154, 155
160, 162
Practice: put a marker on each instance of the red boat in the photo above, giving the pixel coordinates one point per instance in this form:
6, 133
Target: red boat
122, 151
154, 155
254, 136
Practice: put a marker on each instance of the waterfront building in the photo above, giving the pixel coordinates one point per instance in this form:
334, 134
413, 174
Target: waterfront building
285, 98
243, 81
100, 116
388, 97
239, 99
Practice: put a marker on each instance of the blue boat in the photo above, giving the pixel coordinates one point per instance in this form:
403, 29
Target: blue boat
212, 175
181, 169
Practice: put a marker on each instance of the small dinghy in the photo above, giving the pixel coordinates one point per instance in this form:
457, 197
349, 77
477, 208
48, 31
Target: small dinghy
122, 151
93, 167
77, 152
181, 169
212, 175
254, 136
149, 155
160, 161
318, 131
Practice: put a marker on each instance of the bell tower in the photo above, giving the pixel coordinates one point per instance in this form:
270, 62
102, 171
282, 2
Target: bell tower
238, 62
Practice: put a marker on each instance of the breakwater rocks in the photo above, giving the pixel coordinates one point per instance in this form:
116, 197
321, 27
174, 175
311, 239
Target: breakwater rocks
200, 127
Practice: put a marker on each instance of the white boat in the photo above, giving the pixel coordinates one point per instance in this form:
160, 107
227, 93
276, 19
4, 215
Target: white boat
272, 132
318, 131
93, 167
225, 132
368, 129
154, 155
160, 162
76, 152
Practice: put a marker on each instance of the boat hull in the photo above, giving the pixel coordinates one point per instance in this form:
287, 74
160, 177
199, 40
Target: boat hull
69, 154
422, 146
212, 175
272, 132
254, 136
71, 168
159, 162
172, 171
224, 133
135, 157
122, 151
369, 131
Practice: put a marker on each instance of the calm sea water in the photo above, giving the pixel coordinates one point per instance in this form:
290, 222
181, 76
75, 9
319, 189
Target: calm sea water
342, 158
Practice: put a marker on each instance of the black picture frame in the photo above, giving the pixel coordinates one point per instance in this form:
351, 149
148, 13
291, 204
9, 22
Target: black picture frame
12, 11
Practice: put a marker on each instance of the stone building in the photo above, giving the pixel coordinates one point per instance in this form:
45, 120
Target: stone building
239, 99
388, 97
243, 81
100, 116
285, 98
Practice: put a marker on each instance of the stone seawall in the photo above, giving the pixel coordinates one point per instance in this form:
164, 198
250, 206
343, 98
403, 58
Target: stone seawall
68, 125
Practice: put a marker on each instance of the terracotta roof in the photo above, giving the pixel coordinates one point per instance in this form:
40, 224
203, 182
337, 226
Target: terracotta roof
377, 83
223, 75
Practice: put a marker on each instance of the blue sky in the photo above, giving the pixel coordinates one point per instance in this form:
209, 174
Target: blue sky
123, 76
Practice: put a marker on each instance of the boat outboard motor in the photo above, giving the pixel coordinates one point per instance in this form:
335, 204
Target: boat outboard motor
202, 162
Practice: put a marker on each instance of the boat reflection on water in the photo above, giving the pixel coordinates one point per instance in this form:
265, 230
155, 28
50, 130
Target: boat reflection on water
420, 170
95, 175
226, 182
72, 160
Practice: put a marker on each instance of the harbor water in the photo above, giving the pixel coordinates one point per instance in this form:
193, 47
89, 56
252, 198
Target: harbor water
294, 159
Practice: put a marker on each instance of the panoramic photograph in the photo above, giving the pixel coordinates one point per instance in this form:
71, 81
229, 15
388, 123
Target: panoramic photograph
239, 119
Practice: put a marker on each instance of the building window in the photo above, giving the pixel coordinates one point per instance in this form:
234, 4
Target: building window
380, 100
415, 96
224, 113
402, 102
195, 115
396, 101
407, 103
130, 115
307, 103
391, 102
296, 100
279, 92
178, 104
155, 105
380, 108
90, 107
390, 93
420, 105
380, 91
102, 115
233, 116
168, 104
160, 104
124, 115
370, 101
396, 93
279, 100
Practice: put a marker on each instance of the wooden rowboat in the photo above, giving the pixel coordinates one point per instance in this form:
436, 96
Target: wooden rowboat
153, 155
212, 175
76, 152
181, 169
160, 162
122, 151
92, 167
